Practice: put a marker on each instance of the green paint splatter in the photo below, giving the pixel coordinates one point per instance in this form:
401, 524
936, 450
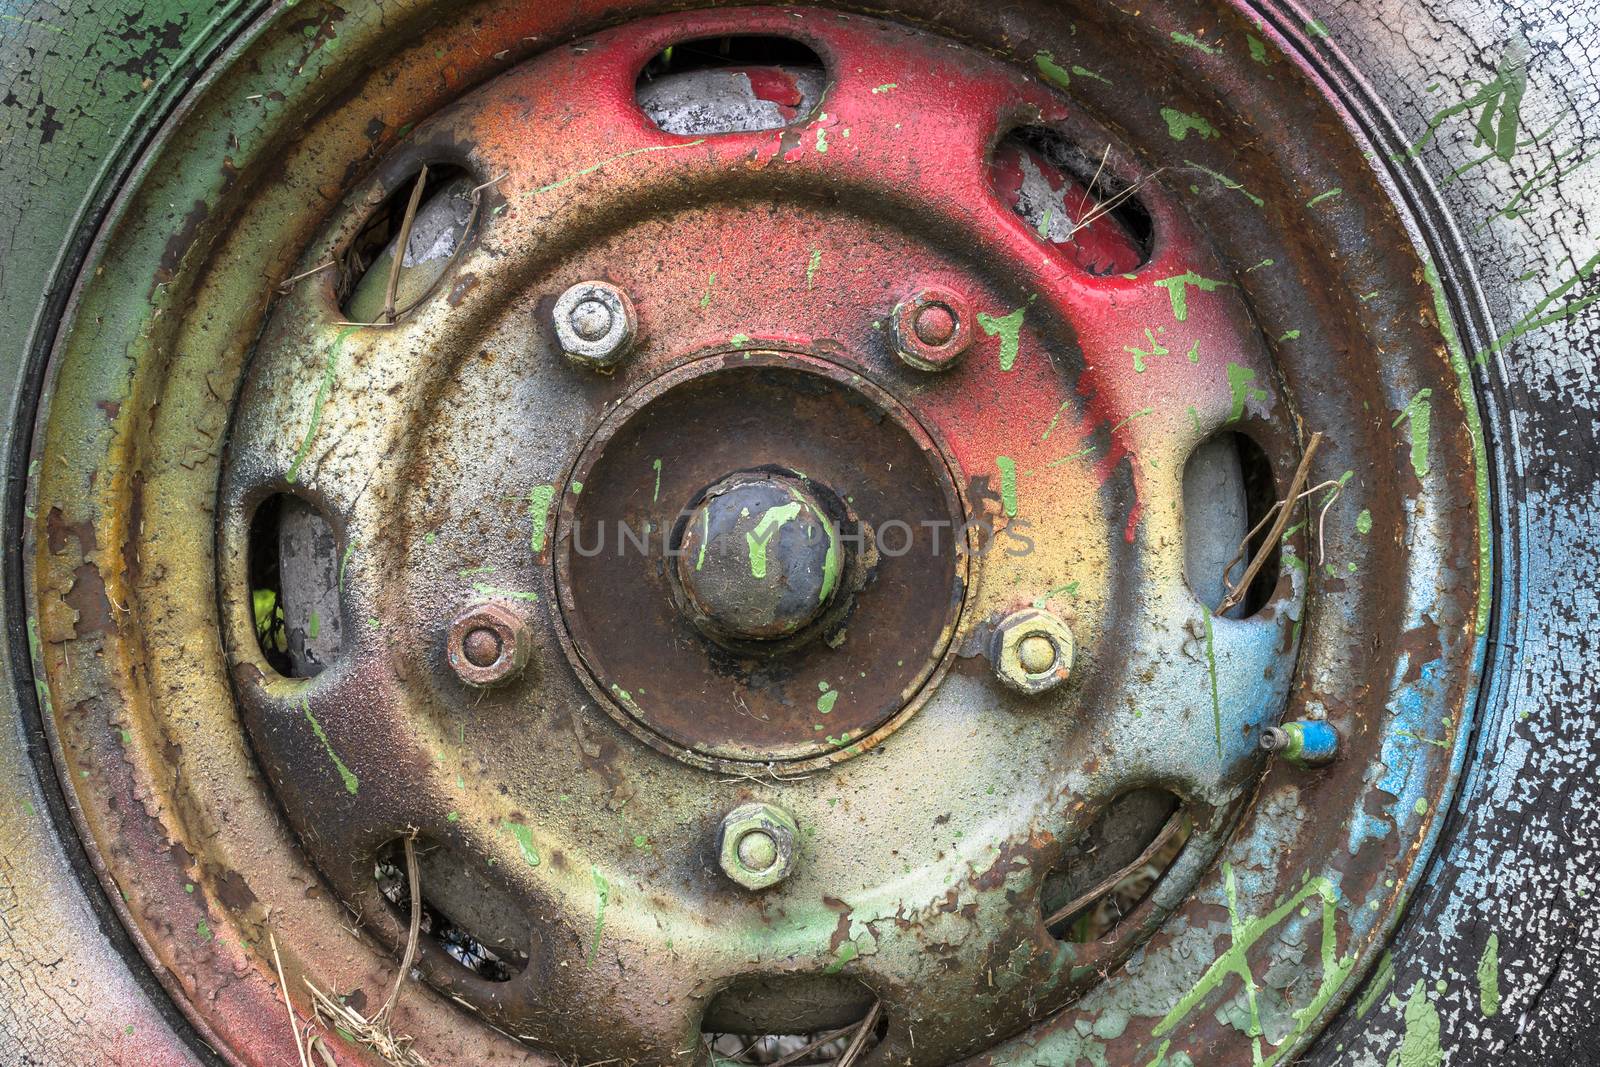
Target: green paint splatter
1141, 413
1420, 1045
1180, 124
831, 563
203, 928
486, 590
1053, 420
33, 23
1070, 589
1381, 978
1418, 417
1258, 50
1177, 288
1489, 977
1240, 379
1141, 354
575, 175
1043, 229
1538, 318
1193, 354
822, 137
1568, 161
1234, 961
626, 698
739, 340
886, 87
1211, 669
1501, 100
705, 297
827, 700
655, 465
1320, 197
602, 896
1085, 72
1052, 71
1194, 42
36, 653
770, 522
705, 538
524, 839
1421, 806
1364, 522
268, 616
1316, 28
1008, 483
540, 497
323, 386
351, 782
811, 267
842, 955
1227, 183
1009, 329
344, 561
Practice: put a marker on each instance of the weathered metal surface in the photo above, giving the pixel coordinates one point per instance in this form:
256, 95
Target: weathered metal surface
548, 799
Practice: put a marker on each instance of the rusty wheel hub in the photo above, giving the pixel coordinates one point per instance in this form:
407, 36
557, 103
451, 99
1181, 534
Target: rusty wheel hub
722, 588
772, 542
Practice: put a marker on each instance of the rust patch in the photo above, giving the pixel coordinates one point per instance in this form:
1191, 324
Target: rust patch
88, 598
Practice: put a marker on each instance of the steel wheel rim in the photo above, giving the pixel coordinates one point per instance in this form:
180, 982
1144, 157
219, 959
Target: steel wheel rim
1455, 725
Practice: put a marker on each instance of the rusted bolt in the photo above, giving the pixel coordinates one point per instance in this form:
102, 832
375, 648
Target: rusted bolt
482, 647
932, 328
595, 324
935, 325
488, 644
1303, 742
1037, 654
757, 845
1032, 651
759, 560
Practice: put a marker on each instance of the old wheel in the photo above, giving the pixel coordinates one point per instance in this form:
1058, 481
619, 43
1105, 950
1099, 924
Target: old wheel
794, 536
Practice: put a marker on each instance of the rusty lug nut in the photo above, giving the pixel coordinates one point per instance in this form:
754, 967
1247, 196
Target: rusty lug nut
756, 848
1032, 651
932, 328
488, 644
595, 325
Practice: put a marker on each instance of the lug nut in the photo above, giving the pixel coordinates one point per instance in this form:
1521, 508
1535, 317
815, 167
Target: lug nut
595, 324
756, 848
488, 644
1031, 651
932, 328
1303, 742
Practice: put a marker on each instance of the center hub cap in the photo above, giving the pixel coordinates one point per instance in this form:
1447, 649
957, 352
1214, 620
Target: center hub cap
792, 611
759, 558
